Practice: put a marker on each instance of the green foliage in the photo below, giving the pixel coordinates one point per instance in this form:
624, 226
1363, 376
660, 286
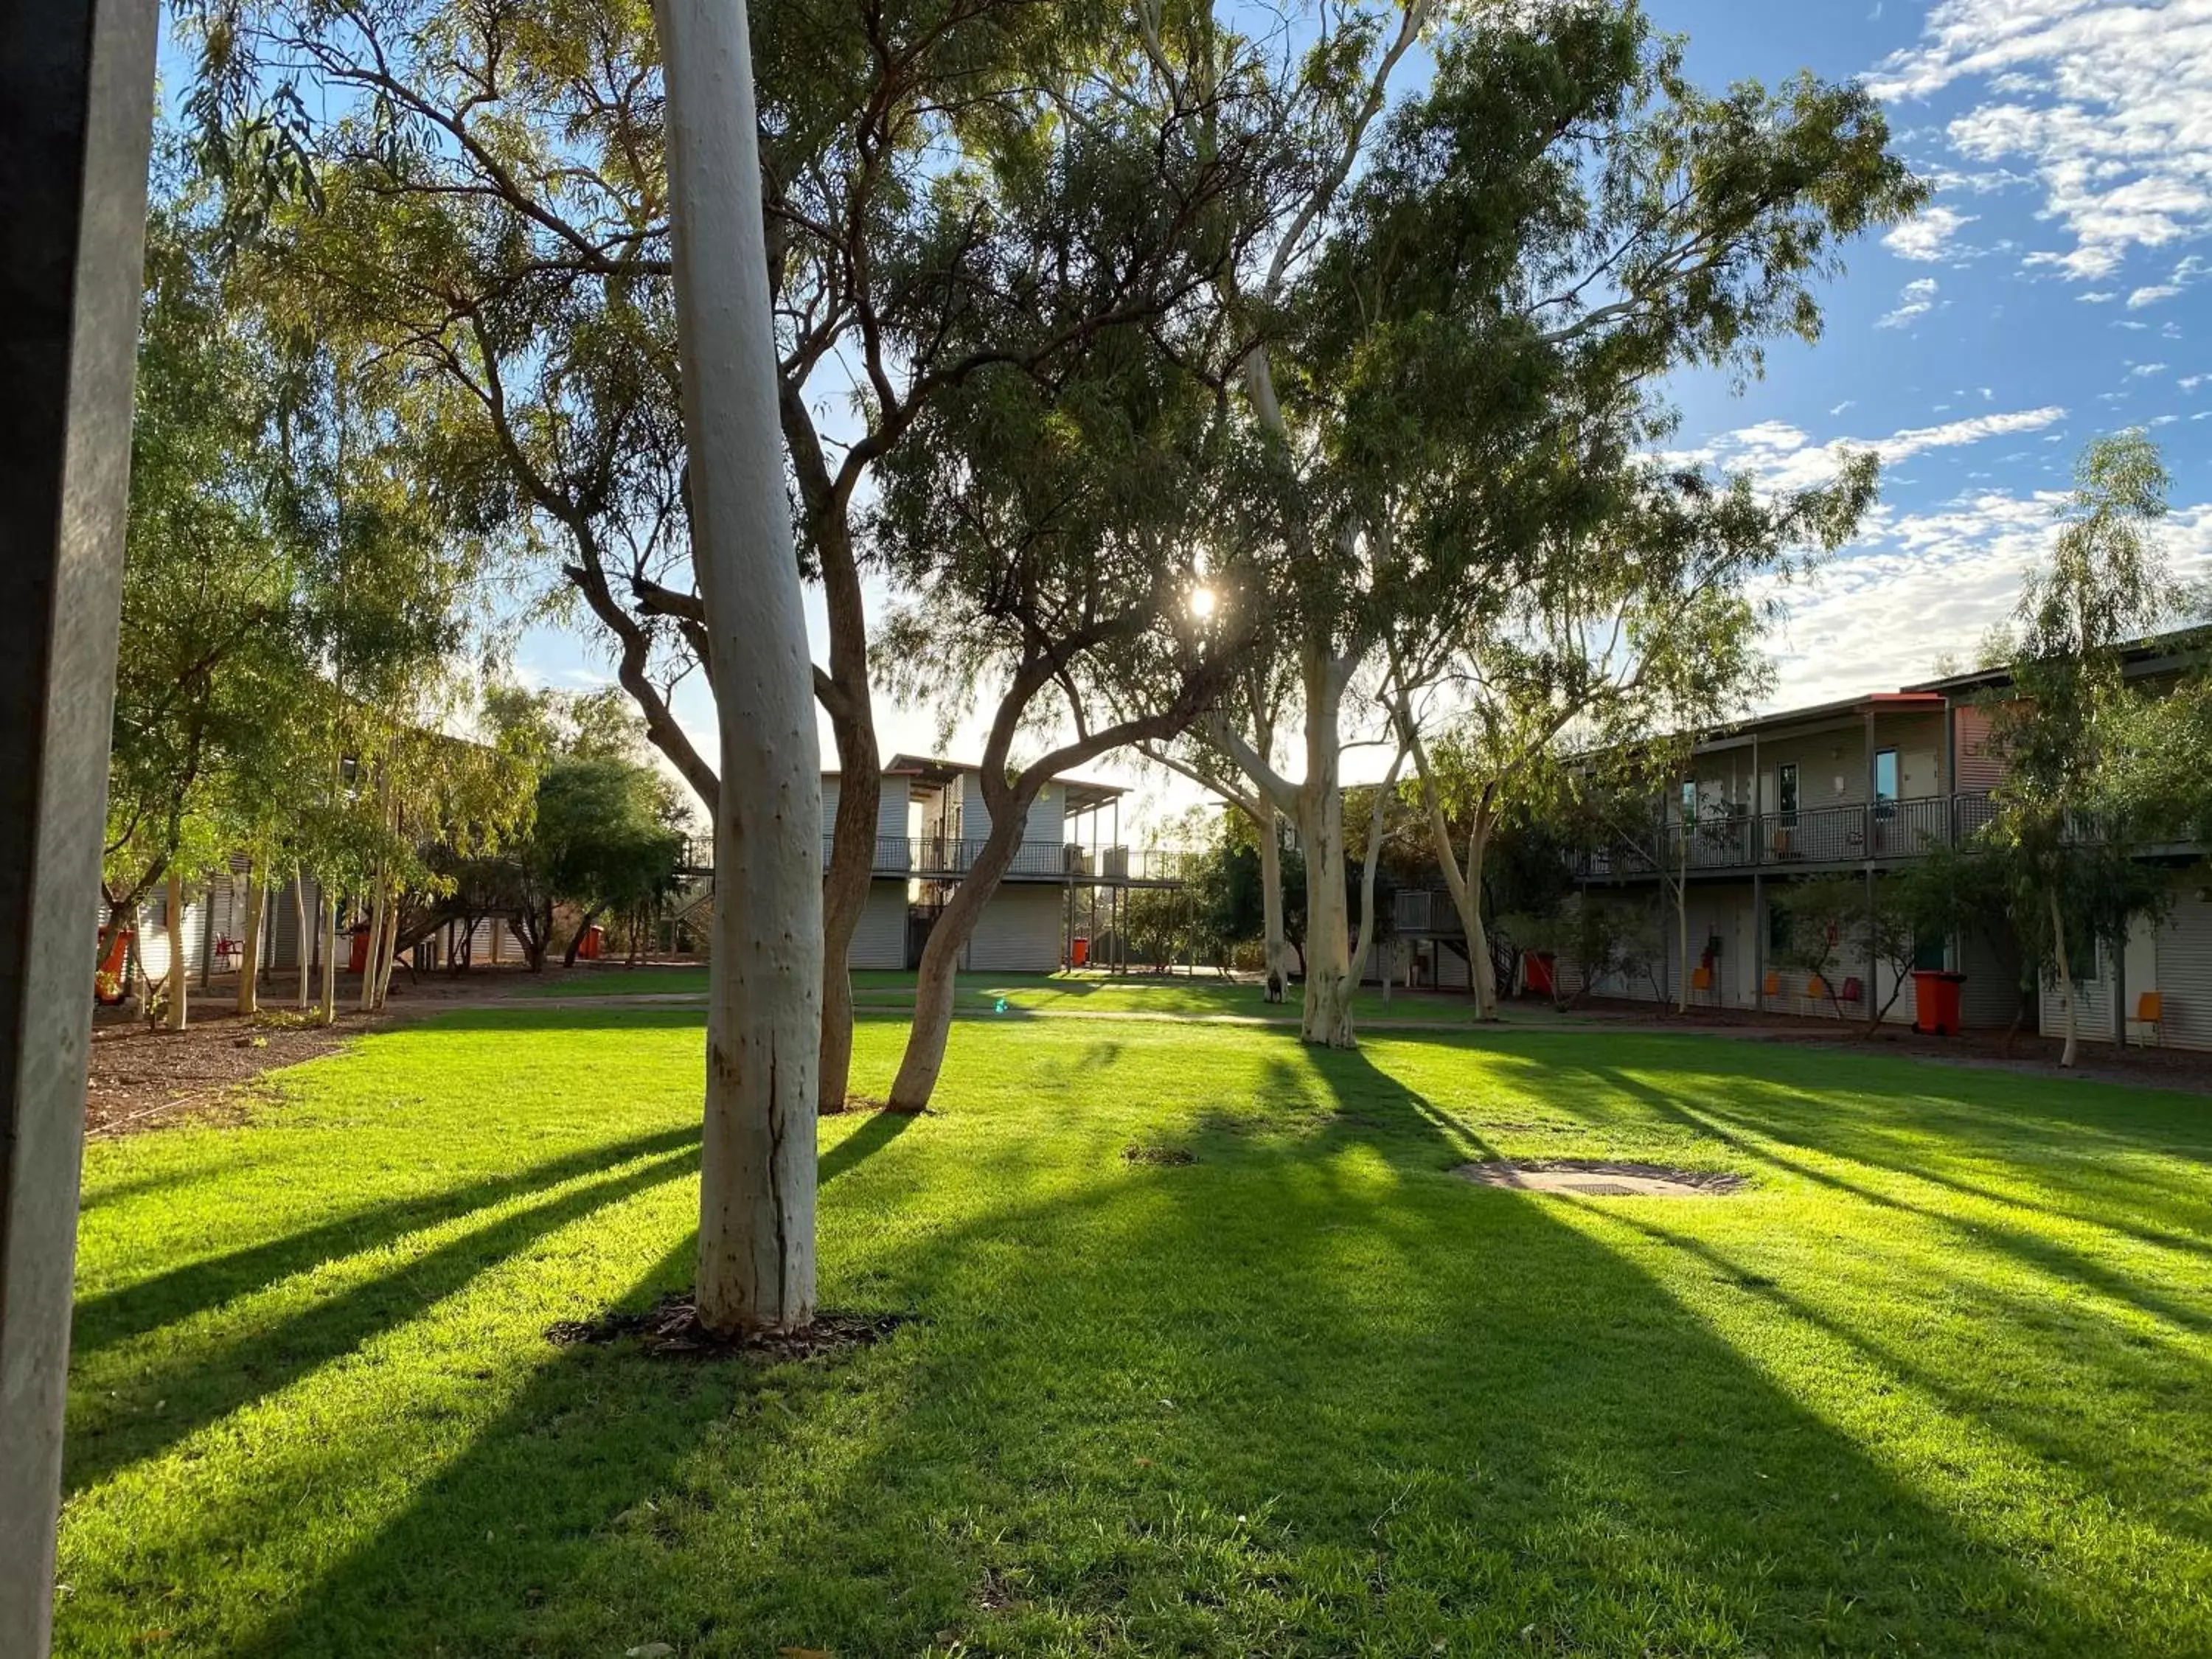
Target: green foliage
2066, 825
606, 831
297, 608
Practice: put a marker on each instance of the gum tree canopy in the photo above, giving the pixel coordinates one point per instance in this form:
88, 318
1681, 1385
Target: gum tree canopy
494, 208
1457, 330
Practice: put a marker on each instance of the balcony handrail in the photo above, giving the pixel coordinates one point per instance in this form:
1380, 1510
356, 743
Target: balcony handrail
1852, 833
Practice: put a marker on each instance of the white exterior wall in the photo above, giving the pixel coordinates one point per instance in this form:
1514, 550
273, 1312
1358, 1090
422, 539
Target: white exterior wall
893, 808
1019, 931
879, 940
2173, 958
1047, 826
2182, 966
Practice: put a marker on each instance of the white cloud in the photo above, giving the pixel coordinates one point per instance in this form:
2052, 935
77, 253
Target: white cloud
2103, 100
1779, 456
1920, 583
2144, 371
2151, 296
2099, 299
2190, 382
1916, 299
1932, 235
1848, 402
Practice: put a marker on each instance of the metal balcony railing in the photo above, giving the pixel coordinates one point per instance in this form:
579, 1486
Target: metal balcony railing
1879, 830
950, 858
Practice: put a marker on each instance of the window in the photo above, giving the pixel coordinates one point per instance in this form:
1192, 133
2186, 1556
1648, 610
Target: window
1885, 781
1786, 791
1929, 953
1780, 931
1690, 800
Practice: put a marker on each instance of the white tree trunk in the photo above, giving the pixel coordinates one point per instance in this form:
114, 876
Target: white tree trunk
1377, 815
2066, 999
1271, 899
764, 1007
367, 1001
384, 950
330, 998
133, 967
177, 1017
1326, 1015
249, 950
299, 924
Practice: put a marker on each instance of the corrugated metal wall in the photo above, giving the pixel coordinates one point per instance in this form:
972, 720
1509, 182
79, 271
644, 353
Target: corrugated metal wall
1019, 931
2183, 950
879, 940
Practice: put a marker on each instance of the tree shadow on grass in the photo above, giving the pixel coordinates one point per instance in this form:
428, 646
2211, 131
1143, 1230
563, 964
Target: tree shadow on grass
1311, 1395
117, 1316
111, 1429
1758, 1138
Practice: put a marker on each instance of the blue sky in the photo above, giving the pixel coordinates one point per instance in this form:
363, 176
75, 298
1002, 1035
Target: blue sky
2055, 289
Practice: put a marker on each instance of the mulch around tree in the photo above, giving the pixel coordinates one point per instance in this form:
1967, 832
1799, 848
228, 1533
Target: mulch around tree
670, 1329
1589, 1178
140, 1078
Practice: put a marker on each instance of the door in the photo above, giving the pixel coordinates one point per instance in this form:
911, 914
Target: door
1785, 802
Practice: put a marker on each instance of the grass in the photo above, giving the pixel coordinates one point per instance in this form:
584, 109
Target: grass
1938, 1384
1171, 995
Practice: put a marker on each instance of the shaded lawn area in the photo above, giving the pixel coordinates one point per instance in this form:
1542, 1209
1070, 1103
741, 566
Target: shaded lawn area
1166, 994
1938, 1384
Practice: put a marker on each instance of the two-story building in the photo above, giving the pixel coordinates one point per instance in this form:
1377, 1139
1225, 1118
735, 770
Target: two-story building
930, 825
1859, 787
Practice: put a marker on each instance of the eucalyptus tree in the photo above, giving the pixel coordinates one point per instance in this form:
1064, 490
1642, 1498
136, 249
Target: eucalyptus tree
1647, 618
213, 646
2062, 822
494, 201
1047, 529
1491, 271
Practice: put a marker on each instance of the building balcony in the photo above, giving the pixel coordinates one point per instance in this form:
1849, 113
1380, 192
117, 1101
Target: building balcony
952, 858
1810, 838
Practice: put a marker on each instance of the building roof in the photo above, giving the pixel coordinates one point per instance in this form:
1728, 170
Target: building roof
1081, 795
2154, 654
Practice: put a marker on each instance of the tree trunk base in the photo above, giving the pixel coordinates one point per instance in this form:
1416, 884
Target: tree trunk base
671, 1330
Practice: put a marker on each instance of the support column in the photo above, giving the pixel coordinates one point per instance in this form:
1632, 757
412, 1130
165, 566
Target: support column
1757, 882
1871, 994
77, 102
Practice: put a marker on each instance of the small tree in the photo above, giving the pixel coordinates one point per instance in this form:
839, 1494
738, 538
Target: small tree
2060, 825
1824, 916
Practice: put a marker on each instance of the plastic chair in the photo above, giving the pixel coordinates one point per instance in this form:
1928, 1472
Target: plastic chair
2150, 1011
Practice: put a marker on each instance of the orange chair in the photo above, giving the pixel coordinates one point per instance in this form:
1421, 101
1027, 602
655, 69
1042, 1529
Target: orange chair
1774, 985
1701, 979
2150, 1011
1816, 987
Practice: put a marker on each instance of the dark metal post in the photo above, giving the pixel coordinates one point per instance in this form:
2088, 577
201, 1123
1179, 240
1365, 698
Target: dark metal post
1870, 994
1757, 882
76, 98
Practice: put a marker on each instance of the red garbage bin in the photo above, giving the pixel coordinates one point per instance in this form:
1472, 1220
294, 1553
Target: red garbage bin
357, 958
1936, 1002
1538, 973
593, 942
1079, 951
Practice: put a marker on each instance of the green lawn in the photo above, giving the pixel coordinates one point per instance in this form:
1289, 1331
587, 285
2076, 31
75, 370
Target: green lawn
1167, 994
1940, 1382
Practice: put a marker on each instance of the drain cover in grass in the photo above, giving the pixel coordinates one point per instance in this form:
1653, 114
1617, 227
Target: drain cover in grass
1588, 1179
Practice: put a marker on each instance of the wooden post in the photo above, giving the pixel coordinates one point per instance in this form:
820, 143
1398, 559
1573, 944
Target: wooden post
76, 99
